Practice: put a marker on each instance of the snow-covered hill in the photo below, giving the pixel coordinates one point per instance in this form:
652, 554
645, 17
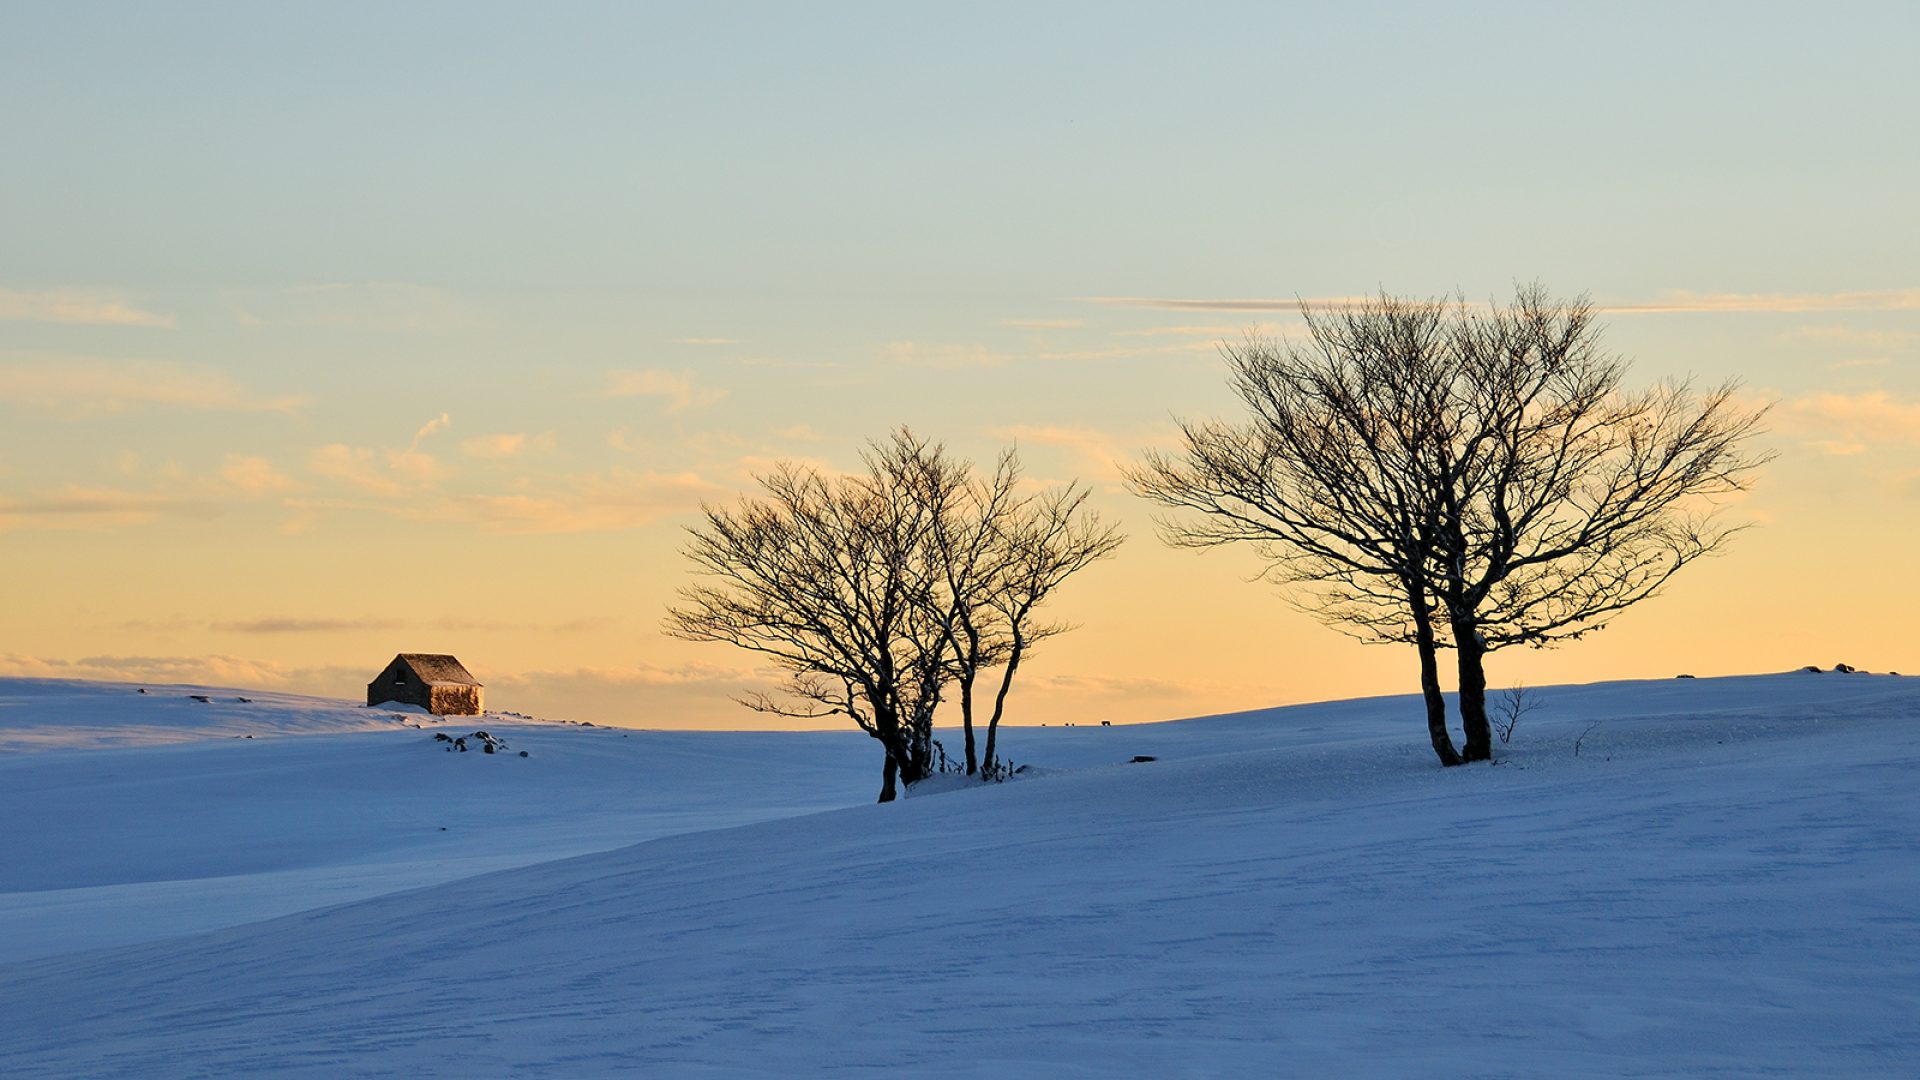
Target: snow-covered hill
1720, 881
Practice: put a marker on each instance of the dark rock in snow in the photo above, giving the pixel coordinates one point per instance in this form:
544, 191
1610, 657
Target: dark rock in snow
1845, 669
1683, 676
1138, 758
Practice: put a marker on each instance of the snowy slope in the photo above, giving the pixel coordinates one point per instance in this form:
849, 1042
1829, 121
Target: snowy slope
1720, 883
137, 817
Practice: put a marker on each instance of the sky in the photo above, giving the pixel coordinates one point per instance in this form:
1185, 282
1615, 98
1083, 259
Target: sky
333, 331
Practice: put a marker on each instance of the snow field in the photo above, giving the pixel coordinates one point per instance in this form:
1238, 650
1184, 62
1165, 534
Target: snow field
1721, 883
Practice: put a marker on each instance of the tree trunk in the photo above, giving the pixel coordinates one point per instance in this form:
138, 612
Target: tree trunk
1473, 691
1430, 689
966, 720
887, 773
1000, 702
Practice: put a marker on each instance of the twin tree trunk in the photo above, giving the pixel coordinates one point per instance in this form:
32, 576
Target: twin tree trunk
1430, 687
901, 766
1472, 652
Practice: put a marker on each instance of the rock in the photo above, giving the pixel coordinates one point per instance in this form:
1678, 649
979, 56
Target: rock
1814, 668
523, 753
1683, 676
1844, 669
1138, 758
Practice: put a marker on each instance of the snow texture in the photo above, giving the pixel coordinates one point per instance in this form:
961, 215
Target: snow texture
1721, 882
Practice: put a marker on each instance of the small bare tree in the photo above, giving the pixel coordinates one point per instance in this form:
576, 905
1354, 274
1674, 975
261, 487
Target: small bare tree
875, 591
1042, 542
1512, 706
830, 578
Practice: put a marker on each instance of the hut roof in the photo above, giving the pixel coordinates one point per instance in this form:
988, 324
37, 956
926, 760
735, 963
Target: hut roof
437, 668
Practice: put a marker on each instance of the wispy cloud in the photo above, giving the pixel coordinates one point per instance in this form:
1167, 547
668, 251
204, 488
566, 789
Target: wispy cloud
216, 669
677, 390
84, 387
507, 445
1861, 336
436, 424
254, 475
381, 306
943, 355
1677, 301
78, 307
1221, 303
285, 625
1043, 324
1680, 301
1848, 424
598, 503
389, 473
629, 675
77, 507
1099, 453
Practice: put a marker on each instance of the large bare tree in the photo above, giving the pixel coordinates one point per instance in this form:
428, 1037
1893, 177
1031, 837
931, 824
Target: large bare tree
1430, 473
1566, 497
1323, 478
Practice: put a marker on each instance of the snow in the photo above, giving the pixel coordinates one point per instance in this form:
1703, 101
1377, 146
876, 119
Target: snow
1721, 882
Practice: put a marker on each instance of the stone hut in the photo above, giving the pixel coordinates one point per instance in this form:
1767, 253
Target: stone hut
433, 681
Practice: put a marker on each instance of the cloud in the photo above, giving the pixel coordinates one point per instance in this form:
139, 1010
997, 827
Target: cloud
254, 475
1681, 301
1043, 324
384, 306
77, 307
676, 389
1676, 301
599, 503
628, 675
1216, 304
1851, 423
1128, 687
76, 507
1099, 452
942, 355
431, 426
284, 625
217, 669
505, 445
1217, 332
80, 387
705, 341
1853, 335
390, 473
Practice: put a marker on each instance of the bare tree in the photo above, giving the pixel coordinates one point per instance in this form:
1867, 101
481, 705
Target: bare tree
830, 579
1324, 479
1566, 498
875, 591
969, 543
1042, 541
1423, 472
